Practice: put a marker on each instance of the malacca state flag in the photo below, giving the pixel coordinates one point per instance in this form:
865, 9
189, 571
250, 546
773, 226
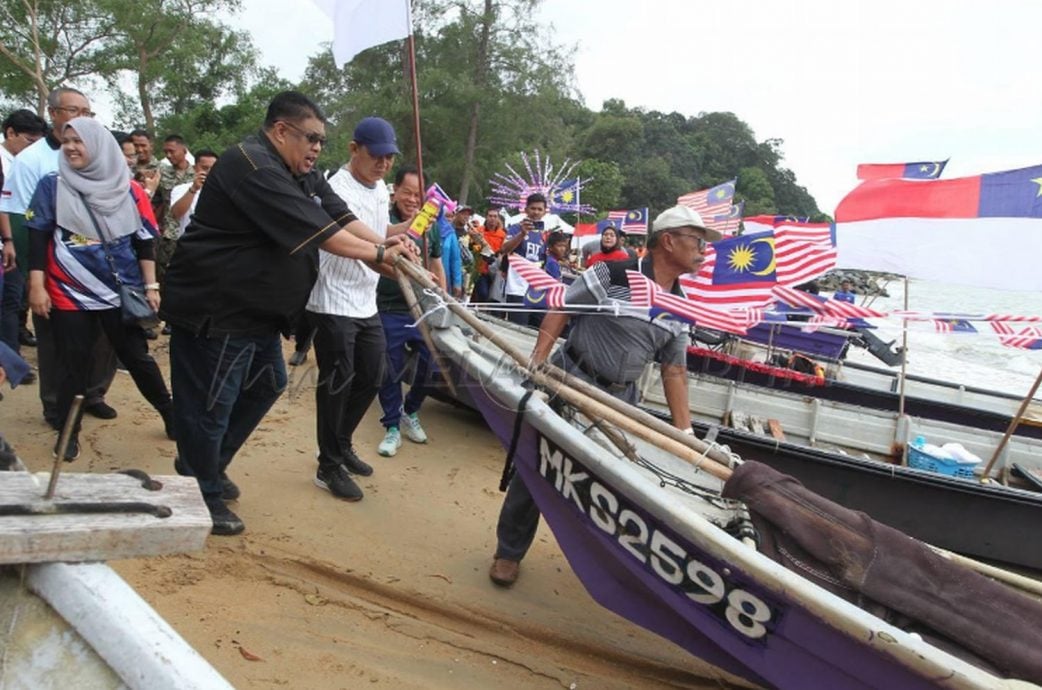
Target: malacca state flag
925, 170
983, 231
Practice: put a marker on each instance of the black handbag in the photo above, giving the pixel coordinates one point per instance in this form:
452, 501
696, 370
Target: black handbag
135, 309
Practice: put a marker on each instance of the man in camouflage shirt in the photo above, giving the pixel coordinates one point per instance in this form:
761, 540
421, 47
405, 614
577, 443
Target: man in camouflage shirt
178, 172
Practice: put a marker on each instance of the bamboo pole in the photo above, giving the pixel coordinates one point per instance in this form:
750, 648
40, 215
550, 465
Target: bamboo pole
1013, 423
580, 392
416, 135
417, 314
63, 445
904, 366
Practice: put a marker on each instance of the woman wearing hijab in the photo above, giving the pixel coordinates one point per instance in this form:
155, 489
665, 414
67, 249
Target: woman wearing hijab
610, 249
71, 279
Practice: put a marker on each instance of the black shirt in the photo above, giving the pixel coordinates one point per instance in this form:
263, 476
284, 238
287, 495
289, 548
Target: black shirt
247, 261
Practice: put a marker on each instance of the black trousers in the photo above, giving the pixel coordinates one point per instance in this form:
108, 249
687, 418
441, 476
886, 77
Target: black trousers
100, 365
519, 516
351, 360
75, 334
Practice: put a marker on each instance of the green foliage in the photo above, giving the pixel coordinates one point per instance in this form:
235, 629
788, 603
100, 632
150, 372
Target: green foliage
490, 88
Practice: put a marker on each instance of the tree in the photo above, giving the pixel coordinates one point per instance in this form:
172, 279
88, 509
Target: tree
603, 184
177, 56
47, 43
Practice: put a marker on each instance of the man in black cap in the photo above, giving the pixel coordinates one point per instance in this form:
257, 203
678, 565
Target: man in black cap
240, 276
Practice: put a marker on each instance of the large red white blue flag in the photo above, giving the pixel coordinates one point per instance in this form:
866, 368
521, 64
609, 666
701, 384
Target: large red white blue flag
925, 170
742, 271
984, 231
713, 204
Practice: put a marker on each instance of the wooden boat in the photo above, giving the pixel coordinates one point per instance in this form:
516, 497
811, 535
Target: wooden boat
644, 531
69, 621
867, 386
853, 455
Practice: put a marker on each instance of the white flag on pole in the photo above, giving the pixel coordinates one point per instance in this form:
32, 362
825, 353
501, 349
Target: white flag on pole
362, 24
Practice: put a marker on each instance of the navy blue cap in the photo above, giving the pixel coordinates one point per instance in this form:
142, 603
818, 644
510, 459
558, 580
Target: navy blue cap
377, 136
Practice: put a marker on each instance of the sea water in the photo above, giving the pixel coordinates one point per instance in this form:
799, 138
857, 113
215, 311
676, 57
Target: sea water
972, 359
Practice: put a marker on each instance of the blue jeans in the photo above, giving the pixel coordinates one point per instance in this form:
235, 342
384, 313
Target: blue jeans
223, 387
399, 331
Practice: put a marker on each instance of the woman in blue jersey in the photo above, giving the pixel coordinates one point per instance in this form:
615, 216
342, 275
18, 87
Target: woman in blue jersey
71, 279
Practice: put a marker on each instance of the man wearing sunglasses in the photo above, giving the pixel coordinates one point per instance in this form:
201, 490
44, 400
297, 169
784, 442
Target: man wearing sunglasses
611, 352
30, 166
240, 276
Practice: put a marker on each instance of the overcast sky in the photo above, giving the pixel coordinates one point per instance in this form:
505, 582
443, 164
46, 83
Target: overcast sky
842, 82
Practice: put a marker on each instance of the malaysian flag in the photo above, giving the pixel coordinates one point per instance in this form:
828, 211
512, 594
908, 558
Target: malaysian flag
837, 309
633, 221
727, 224
760, 223
645, 293
543, 289
713, 204
953, 326
1027, 338
742, 271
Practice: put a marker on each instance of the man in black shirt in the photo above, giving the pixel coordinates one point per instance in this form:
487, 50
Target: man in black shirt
240, 276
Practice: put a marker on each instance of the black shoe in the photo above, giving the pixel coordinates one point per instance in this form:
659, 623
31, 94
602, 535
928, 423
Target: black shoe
229, 490
72, 451
29, 378
26, 337
151, 334
339, 483
53, 422
225, 522
167, 413
166, 329
100, 409
355, 464
298, 357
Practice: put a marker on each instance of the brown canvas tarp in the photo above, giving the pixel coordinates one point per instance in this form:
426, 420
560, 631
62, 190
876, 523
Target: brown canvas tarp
889, 573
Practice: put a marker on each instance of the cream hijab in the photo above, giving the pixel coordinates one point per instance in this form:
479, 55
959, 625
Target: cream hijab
103, 185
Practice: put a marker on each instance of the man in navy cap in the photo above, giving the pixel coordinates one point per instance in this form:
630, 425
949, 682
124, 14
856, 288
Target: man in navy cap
349, 338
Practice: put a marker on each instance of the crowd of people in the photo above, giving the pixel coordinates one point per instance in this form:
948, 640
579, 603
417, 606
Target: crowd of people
235, 252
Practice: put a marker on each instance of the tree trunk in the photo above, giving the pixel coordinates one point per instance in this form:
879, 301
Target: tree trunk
481, 69
142, 92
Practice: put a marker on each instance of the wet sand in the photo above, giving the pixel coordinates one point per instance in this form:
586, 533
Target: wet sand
392, 591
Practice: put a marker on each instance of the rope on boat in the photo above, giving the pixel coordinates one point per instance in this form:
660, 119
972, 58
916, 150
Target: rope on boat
508, 465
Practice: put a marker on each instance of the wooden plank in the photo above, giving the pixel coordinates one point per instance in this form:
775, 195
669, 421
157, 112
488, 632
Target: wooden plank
99, 537
776, 429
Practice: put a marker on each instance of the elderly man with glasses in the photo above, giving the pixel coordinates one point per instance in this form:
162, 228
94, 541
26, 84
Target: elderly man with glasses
611, 352
30, 166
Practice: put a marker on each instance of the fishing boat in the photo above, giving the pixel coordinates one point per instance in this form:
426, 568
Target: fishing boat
67, 620
651, 532
852, 382
855, 456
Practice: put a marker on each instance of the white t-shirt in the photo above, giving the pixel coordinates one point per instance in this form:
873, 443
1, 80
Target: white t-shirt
30, 166
347, 287
6, 160
176, 193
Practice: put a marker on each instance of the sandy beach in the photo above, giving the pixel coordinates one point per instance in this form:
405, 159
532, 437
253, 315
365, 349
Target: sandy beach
391, 591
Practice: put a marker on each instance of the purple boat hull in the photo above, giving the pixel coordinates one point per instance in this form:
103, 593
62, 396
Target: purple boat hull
636, 565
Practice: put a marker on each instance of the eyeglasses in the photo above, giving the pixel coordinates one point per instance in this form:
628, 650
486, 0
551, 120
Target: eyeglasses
74, 111
701, 240
312, 137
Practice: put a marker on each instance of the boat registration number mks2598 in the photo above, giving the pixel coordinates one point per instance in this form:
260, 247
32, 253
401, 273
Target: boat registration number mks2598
653, 547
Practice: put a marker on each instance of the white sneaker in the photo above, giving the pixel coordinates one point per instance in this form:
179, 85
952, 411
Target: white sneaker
391, 443
412, 428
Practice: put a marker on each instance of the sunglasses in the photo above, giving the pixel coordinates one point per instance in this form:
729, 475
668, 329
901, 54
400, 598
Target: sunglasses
311, 137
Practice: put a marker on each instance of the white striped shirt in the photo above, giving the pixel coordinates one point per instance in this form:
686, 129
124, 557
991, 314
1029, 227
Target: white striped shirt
347, 287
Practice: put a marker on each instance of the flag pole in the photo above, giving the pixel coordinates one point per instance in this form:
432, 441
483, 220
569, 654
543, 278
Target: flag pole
904, 365
1012, 427
416, 132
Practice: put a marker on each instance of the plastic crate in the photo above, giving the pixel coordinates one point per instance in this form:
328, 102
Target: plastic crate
922, 461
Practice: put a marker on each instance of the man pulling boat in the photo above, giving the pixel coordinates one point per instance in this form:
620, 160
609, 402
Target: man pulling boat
611, 352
